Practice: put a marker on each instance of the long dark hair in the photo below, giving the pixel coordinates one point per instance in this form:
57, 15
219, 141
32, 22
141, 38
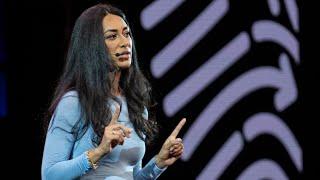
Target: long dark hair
88, 71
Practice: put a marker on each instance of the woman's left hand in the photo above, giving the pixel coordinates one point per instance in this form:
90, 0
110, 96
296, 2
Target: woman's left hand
172, 148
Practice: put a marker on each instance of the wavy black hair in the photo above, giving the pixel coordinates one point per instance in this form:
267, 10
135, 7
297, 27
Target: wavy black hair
89, 71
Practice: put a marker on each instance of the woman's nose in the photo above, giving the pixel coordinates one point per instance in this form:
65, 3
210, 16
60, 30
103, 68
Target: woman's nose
124, 42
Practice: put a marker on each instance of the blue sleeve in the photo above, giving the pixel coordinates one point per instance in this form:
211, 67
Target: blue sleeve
56, 162
150, 170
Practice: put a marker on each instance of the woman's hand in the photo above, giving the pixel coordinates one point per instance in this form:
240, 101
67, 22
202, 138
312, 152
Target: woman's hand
114, 134
172, 148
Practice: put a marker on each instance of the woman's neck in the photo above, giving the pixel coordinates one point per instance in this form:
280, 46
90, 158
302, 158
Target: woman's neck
115, 85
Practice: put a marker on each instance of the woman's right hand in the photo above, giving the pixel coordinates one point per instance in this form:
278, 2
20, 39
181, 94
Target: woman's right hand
114, 134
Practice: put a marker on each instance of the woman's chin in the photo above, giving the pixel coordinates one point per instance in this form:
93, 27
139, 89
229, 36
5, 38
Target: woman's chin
124, 65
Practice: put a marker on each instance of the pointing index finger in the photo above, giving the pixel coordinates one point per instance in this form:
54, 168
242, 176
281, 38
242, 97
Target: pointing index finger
115, 116
176, 131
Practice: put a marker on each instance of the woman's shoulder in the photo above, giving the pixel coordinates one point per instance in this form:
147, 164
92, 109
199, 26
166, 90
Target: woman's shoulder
69, 104
70, 94
69, 99
68, 111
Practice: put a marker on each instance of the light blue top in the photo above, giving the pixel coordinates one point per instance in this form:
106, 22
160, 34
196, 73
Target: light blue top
64, 157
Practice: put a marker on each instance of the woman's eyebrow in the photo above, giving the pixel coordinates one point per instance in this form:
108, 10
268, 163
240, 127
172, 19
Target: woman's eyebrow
115, 30
110, 30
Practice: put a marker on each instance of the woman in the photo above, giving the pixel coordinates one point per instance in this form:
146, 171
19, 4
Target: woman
99, 122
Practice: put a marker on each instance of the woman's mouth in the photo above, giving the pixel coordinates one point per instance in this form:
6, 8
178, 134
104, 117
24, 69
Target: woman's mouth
124, 56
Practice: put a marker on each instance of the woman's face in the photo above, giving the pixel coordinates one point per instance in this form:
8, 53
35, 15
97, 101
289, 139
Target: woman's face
118, 40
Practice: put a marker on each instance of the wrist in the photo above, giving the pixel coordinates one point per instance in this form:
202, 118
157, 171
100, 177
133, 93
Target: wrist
159, 162
91, 159
95, 154
98, 152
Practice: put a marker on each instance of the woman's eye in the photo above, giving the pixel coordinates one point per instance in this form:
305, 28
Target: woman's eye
127, 34
111, 37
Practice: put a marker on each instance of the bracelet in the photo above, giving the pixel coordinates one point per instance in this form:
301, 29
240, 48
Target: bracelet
93, 165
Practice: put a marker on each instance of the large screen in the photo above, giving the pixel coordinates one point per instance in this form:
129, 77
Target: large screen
230, 66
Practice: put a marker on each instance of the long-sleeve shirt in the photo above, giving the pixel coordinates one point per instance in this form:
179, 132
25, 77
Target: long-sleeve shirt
64, 156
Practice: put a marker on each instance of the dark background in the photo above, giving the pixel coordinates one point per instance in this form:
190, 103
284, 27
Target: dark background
35, 35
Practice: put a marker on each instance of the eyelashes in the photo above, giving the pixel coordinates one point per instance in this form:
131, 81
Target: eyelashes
114, 36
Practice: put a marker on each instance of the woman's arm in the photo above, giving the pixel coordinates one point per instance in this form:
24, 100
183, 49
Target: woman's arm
56, 162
